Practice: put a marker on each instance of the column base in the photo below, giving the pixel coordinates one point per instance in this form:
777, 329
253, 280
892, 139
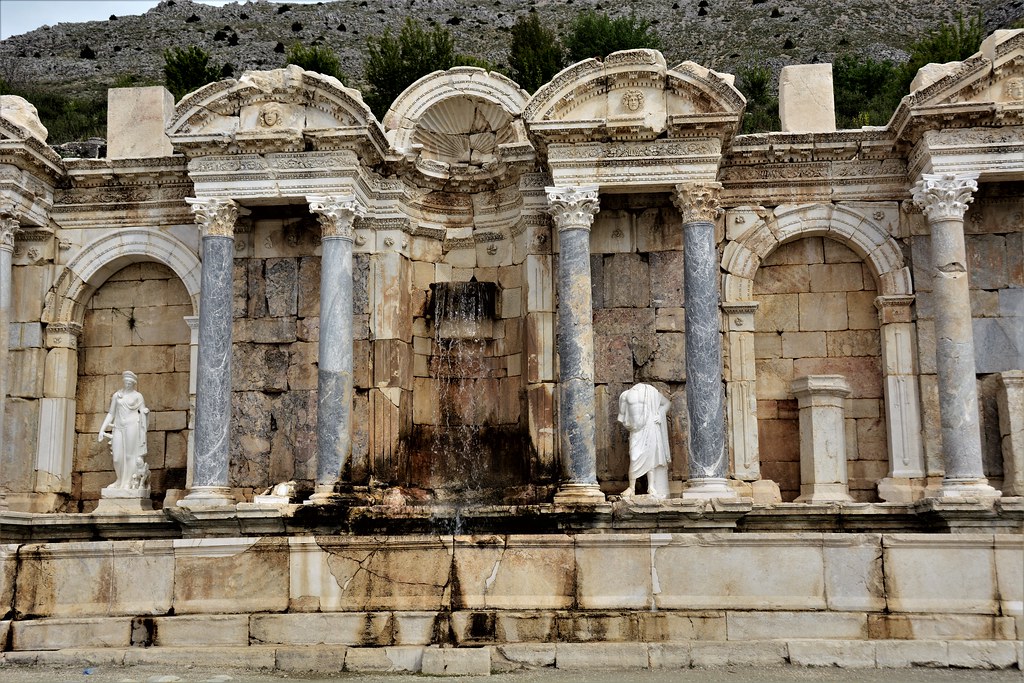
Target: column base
579, 494
967, 488
824, 493
706, 488
208, 497
901, 489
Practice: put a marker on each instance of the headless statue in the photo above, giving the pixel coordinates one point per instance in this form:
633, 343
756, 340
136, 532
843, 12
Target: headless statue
643, 411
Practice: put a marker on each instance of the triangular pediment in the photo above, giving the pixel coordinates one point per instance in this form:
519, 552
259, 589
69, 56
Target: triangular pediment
994, 75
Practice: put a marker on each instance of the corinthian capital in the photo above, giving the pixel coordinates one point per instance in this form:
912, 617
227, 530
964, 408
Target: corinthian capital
336, 214
572, 207
698, 201
942, 196
8, 225
216, 217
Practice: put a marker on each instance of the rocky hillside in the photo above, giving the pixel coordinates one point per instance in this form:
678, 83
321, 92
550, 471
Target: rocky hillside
721, 34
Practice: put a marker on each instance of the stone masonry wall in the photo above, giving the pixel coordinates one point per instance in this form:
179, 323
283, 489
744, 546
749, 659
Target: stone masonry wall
274, 364
817, 316
134, 321
637, 278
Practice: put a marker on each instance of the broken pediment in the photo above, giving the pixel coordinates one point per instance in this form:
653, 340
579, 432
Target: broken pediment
631, 95
20, 119
279, 109
995, 74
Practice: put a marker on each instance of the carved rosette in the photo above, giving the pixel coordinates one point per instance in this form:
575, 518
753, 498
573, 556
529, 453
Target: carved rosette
698, 202
573, 208
945, 196
216, 217
337, 215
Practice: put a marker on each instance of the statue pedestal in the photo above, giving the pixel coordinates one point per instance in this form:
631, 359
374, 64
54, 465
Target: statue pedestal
119, 501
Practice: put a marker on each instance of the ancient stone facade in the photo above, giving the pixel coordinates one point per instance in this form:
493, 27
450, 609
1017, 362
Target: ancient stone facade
425, 323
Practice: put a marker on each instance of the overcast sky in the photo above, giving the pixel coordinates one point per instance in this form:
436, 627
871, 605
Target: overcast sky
21, 16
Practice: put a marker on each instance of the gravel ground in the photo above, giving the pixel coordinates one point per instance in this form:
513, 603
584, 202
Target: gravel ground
718, 675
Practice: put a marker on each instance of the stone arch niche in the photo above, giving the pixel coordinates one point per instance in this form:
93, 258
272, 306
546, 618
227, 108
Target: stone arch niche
883, 259
157, 276
463, 158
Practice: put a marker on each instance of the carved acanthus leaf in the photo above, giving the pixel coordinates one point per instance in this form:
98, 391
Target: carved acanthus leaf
698, 201
943, 196
336, 214
572, 207
216, 217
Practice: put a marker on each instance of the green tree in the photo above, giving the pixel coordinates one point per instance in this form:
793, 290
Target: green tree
866, 91
393, 63
535, 54
319, 58
953, 42
595, 34
186, 69
762, 111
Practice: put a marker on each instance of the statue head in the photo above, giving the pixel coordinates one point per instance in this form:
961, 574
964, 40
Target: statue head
130, 379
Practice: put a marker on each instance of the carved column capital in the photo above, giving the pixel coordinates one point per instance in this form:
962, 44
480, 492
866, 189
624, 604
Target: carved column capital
944, 196
216, 217
9, 225
698, 202
63, 335
337, 214
573, 207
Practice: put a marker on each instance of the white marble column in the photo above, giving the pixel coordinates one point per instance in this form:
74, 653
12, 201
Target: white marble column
216, 218
573, 209
8, 226
943, 199
334, 379
698, 202
1010, 398
822, 438
906, 479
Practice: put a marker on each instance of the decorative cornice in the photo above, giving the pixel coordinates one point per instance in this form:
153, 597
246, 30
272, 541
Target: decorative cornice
945, 196
337, 215
216, 217
573, 208
698, 202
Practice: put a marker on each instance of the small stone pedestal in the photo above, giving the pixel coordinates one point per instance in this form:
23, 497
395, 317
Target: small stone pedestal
822, 438
1010, 398
119, 501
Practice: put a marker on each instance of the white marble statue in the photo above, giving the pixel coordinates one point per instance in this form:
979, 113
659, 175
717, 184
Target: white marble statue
644, 412
128, 421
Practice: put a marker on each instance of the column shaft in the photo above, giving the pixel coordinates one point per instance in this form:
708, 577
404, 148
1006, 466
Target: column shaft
573, 210
8, 225
698, 203
335, 373
943, 199
213, 367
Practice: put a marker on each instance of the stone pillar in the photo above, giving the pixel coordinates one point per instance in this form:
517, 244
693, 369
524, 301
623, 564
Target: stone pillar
56, 442
193, 368
8, 226
943, 199
698, 202
1010, 397
906, 480
741, 390
334, 379
216, 218
573, 209
822, 438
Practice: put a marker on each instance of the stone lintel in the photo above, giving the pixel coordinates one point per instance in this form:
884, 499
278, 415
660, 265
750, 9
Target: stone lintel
656, 165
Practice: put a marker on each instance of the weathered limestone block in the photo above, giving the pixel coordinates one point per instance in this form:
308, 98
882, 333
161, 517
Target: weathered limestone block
904, 654
805, 99
613, 571
763, 653
370, 574
136, 118
59, 634
338, 628
25, 372
504, 572
230, 576
1009, 554
982, 655
706, 572
955, 575
201, 630
258, 367
823, 469
666, 364
849, 654
407, 658
304, 658
463, 661
626, 281
748, 626
257, 288
282, 287
589, 656
308, 284
853, 572
21, 112
50, 580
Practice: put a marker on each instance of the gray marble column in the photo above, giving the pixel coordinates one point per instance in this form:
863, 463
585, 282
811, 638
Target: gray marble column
943, 198
573, 209
216, 218
698, 203
8, 226
334, 379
